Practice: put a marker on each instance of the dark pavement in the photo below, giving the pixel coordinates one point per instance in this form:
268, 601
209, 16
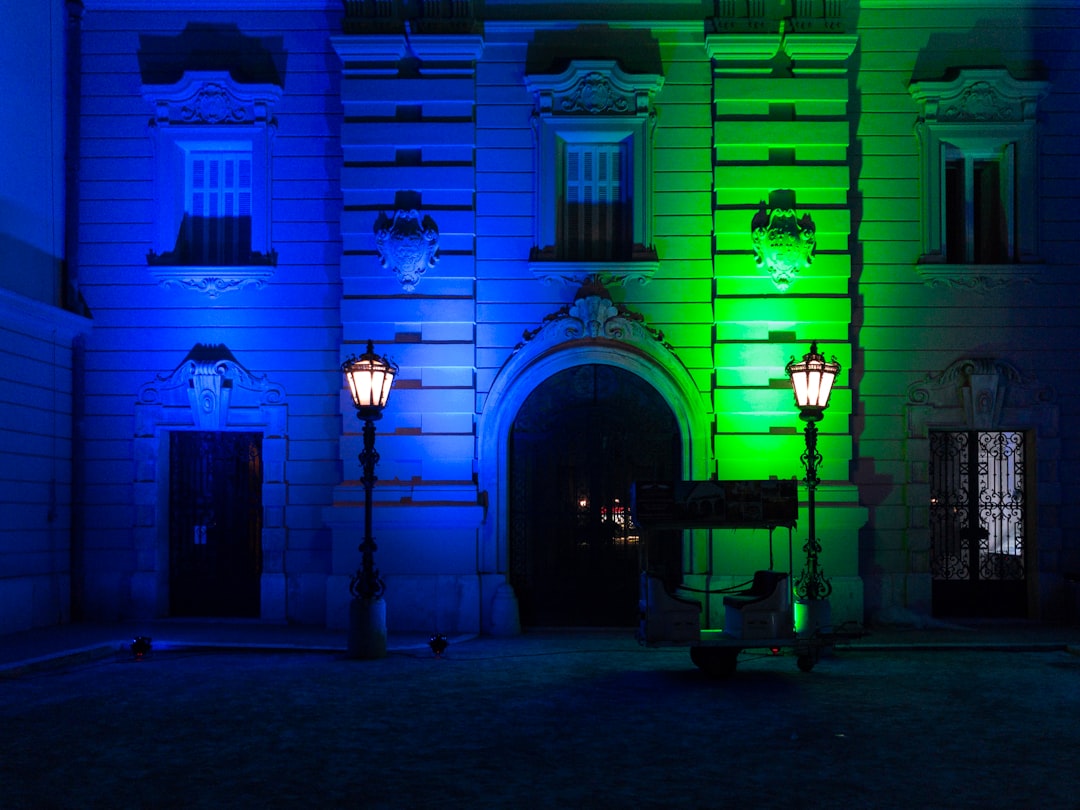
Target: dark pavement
246, 714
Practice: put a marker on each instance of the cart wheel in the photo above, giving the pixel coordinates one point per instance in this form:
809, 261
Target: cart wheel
715, 662
806, 662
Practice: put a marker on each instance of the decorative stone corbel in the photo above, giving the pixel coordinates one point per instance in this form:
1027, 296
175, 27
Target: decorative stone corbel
408, 245
783, 244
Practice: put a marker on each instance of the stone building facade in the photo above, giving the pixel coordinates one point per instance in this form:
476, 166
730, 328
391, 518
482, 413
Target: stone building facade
591, 235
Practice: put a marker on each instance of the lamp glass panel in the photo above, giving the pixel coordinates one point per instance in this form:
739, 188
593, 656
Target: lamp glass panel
813, 387
798, 382
825, 390
369, 383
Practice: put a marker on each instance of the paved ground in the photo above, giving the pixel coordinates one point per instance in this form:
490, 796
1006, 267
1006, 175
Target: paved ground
247, 715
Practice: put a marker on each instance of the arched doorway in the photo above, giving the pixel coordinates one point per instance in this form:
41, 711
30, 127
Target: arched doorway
578, 442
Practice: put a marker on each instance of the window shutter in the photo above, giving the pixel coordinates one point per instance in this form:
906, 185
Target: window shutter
594, 196
219, 208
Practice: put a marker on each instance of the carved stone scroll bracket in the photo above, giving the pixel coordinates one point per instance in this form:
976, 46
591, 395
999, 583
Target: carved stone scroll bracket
408, 244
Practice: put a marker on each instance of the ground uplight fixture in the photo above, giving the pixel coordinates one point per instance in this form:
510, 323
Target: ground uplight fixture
370, 379
812, 381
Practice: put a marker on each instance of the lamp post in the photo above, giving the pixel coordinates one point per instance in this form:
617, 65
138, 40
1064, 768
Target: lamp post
370, 379
812, 380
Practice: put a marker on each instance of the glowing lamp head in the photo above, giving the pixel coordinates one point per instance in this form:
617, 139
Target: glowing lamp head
812, 380
370, 379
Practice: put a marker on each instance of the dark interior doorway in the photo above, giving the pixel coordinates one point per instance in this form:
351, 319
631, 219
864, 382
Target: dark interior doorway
578, 442
215, 523
978, 523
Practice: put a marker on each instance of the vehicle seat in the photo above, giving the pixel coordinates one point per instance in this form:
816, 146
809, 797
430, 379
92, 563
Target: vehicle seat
664, 616
761, 611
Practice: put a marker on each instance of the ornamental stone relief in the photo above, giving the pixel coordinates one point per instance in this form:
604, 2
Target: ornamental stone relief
213, 104
981, 393
593, 315
408, 244
211, 97
783, 244
595, 94
211, 384
979, 102
594, 87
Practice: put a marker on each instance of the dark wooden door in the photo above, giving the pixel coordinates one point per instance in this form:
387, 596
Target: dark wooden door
578, 443
215, 523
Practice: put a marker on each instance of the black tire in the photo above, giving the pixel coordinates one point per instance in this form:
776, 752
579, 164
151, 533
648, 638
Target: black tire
806, 662
715, 662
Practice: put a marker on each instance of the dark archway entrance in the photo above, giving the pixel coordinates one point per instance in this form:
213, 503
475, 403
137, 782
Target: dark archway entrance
579, 441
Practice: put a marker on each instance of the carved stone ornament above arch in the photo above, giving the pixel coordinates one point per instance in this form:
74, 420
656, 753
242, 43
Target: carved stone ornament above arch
592, 315
980, 394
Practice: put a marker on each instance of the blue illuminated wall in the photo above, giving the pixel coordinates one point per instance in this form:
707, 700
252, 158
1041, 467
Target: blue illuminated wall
275, 322
37, 337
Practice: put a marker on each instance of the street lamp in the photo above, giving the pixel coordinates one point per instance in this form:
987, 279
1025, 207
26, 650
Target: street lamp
812, 380
370, 379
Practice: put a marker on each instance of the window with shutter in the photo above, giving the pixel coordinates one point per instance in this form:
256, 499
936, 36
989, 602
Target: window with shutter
593, 211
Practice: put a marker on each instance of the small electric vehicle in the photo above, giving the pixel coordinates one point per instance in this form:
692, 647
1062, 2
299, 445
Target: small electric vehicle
758, 617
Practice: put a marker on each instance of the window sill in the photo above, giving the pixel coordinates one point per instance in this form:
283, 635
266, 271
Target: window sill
977, 277
212, 280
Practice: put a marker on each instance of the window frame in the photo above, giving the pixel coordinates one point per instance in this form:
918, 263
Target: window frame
593, 101
217, 152
980, 114
207, 111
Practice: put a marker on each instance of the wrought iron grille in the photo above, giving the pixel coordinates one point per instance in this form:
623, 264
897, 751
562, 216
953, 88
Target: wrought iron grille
977, 522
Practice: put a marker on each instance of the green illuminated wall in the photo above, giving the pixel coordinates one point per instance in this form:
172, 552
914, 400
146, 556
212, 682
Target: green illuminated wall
780, 122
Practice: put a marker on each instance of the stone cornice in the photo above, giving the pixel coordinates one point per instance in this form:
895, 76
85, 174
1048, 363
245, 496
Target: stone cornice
22, 314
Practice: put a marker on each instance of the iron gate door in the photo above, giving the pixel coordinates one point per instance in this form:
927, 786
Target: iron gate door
215, 523
578, 442
977, 524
